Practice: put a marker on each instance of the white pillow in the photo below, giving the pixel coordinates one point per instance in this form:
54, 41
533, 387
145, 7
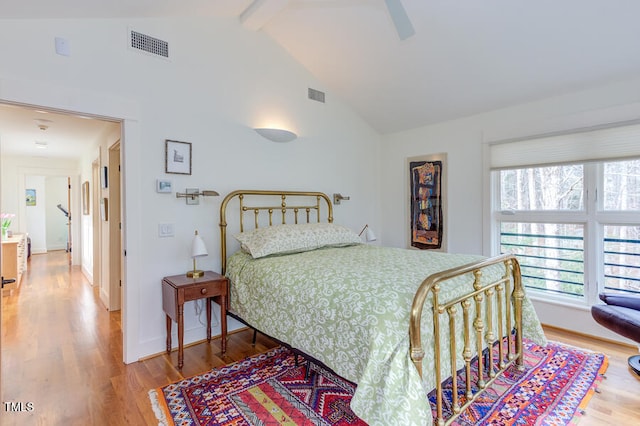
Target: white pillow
287, 239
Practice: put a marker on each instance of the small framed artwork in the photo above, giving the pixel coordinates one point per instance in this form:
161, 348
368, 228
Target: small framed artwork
163, 185
85, 197
177, 157
104, 209
30, 197
104, 177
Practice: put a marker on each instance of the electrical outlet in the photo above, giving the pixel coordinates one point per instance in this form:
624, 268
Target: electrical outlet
165, 230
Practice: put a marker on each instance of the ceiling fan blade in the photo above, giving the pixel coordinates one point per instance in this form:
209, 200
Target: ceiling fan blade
400, 19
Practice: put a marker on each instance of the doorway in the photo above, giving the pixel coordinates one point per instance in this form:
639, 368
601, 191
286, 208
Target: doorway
47, 210
84, 245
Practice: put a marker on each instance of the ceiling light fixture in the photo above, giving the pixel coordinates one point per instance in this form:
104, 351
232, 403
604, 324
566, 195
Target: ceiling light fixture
43, 124
41, 144
276, 135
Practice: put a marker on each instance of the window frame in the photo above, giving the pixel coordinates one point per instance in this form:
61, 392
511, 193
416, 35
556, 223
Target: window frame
593, 217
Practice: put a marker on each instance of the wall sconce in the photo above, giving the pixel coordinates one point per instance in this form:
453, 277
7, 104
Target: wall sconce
192, 194
369, 235
276, 135
339, 197
198, 249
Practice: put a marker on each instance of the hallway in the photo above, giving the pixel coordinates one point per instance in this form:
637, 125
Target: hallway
62, 354
58, 343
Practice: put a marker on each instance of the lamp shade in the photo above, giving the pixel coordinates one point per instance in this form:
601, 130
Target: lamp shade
198, 248
276, 135
369, 235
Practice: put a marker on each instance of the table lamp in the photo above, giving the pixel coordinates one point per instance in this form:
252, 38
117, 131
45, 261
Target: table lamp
369, 235
198, 249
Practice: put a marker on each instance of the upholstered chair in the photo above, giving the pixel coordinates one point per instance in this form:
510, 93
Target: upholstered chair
620, 314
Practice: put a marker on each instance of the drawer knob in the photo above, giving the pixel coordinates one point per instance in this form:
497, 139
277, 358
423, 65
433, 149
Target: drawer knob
203, 291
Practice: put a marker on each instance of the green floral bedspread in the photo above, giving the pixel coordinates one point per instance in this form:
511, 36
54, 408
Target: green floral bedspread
349, 308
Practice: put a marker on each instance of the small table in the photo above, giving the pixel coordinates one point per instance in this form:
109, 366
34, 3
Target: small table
178, 289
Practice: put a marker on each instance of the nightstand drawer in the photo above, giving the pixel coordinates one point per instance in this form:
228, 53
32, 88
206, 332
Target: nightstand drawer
205, 290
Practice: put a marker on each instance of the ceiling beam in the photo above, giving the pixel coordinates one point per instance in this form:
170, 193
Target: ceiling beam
259, 12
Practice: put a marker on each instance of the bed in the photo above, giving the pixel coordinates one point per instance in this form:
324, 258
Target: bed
367, 312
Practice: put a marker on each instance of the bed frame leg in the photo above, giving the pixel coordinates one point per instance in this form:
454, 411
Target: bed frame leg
296, 358
307, 373
255, 336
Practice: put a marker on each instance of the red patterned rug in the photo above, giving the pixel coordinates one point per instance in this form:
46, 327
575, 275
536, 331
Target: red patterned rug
270, 389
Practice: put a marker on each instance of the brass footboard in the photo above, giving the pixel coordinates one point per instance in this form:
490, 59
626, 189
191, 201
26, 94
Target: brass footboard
490, 329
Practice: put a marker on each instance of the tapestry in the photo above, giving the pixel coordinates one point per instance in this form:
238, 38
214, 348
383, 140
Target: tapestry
426, 204
270, 388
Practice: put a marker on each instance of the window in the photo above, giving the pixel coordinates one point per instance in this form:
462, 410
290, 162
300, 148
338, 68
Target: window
542, 188
551, 255
621, 242
622, 258
574, 226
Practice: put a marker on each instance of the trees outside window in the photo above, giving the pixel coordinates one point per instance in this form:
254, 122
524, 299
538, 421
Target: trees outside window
575, 228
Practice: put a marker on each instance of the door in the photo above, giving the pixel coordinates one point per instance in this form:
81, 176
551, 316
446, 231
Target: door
115, 229
69, 240
95, 222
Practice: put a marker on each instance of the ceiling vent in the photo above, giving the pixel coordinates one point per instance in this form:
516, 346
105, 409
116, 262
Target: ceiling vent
149, 44
316, 95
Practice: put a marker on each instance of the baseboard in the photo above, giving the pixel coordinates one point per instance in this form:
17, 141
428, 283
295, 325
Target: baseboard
589, 336
88, 275
577, 320
157, 346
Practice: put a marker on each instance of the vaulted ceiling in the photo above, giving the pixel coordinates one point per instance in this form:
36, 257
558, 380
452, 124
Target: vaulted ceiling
466, 56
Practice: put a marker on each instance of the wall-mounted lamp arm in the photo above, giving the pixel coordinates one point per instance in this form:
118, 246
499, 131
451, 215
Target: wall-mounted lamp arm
194, 195
337, 198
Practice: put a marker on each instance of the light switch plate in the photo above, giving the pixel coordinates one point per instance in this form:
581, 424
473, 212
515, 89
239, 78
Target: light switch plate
62, 46
165, 230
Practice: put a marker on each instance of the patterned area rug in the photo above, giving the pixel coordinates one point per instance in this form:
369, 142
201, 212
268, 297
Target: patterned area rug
269, 389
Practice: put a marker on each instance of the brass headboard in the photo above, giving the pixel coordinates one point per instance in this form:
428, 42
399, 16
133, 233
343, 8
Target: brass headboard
310, 203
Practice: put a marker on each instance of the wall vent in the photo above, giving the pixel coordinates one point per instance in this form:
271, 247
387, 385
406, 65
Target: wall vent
316, 95
149, 44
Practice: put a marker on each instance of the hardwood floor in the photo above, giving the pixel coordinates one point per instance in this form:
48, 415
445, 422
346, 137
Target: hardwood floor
62, 353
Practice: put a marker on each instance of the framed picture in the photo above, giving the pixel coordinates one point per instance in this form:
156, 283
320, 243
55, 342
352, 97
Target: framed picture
104, 177
85, 197
177, 157
30, 197
104, 209
426, 175
163, 185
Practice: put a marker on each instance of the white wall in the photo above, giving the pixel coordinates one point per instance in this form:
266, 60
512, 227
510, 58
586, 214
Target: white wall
46, 224
36, 216
19, 173
220, 82
56, 222
468, 192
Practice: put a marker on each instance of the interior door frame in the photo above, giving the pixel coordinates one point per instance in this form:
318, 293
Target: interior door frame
75, 100
114, 224
95, 225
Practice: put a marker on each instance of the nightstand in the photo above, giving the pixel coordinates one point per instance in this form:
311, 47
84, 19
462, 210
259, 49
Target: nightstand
178, 289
